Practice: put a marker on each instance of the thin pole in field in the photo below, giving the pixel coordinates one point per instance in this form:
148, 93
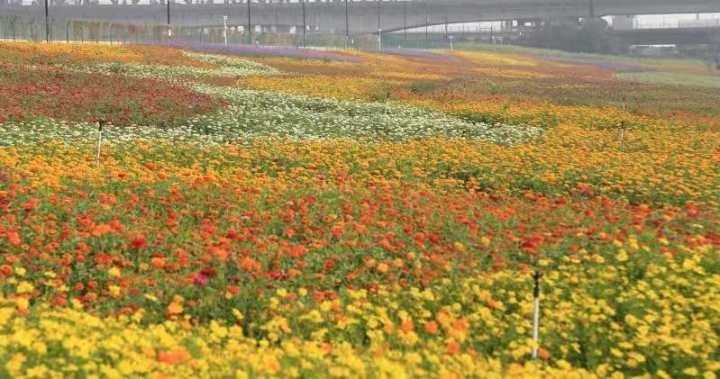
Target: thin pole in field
536, 313
225, 30
167, 11
379, 13
404, 20
99, 142
47, 21
347, 24
249, 22
380, 46
304, 23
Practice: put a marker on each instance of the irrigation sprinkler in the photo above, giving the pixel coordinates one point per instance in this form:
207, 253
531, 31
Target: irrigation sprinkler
536, 313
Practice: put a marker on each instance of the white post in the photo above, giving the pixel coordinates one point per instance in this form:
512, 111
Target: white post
536, 322
225, 30
379, 39
536, 314
99, 143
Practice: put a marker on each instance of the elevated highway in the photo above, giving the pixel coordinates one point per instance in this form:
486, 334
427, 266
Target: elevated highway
363, 16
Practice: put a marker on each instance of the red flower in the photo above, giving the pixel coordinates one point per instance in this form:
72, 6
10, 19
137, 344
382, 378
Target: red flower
138, 242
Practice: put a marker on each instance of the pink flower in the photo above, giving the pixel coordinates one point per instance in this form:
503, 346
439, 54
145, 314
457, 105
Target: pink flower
200, 279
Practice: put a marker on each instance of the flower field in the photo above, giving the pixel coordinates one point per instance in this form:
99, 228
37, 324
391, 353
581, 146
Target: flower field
376, 216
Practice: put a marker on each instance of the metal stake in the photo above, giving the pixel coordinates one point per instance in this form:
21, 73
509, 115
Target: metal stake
536, 313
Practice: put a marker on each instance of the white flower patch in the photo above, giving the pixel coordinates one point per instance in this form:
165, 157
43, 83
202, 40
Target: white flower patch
255, 114
40, 131
239, 65
228, 67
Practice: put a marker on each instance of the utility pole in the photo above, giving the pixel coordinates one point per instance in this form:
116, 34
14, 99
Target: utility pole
404, 3
446, 28
225, 30
47, 22
379, 39
427, 23
249, 23
167, 9
304, 23
379, 12
347, 25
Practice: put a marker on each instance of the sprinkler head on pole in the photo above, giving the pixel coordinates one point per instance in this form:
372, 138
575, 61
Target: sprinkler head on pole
537, 275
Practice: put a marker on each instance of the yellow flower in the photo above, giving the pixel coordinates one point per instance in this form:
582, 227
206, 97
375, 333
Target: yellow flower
114, 290
114, 272
622, 255
25, 287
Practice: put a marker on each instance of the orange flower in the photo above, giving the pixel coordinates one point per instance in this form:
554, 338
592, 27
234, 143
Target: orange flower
14, 238
219, 253
175, 309
383, 268
431, 327
460, 325
233, 290
173, 357
407, 326
452, 347
157, 262
543, 354
249, 265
